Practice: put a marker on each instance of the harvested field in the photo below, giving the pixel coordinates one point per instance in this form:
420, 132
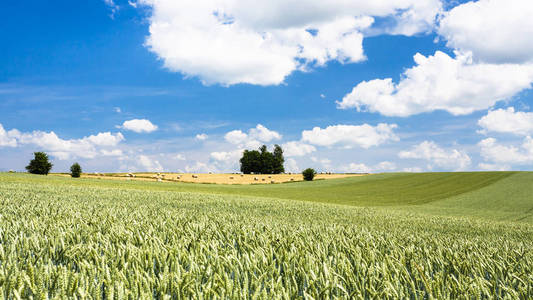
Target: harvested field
214, 177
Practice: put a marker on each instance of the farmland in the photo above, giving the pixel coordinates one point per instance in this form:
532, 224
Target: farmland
440, 235
211, 177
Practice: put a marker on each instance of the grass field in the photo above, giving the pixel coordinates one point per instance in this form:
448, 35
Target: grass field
429, 235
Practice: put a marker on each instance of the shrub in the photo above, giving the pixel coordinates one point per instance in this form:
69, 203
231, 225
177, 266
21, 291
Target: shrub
40, 164
75, 170
309, 174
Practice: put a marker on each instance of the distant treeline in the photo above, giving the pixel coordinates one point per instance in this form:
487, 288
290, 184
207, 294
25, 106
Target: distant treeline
263, 161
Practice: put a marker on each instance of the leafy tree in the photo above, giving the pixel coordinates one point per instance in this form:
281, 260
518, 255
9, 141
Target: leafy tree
75, 170
309, 174
40, 164
279, 160
262, 161
250, 162
267, 161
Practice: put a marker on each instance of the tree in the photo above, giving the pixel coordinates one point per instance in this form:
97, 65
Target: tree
262, 161
309, 174
279, 160
40, 164
250, 162
267, 161
75, 170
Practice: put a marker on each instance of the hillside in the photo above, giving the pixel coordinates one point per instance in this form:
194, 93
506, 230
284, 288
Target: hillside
65, 238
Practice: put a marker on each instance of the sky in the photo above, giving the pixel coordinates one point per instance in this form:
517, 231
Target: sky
341, 85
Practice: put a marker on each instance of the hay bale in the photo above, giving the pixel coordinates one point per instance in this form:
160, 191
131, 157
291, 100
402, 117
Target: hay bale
231, 177
256, 179
159, 180
272, 181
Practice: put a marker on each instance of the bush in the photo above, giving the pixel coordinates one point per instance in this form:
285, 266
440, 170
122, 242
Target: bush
309, 174
40, 164
75, 170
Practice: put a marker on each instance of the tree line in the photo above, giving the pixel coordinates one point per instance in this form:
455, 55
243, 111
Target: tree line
262, 161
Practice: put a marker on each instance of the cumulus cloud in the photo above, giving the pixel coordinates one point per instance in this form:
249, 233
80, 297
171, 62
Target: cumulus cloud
495, 152
383, 166
451, 159
199, 167
291, 166
296, 148
507, 121
254, 137
440, 82
226, 156
201, 136
8, 138
364, 136
238, 41
87, 147
139, 126
148, 164
497, 31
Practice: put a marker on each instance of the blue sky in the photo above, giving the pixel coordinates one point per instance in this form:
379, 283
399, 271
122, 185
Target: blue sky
160, 85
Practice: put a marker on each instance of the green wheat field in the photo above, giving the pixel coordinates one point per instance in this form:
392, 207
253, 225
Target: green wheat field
416, 236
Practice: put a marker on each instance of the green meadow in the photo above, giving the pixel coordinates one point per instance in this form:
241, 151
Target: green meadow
417, 236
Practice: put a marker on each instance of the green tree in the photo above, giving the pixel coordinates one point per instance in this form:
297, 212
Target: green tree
309, 174
279, 160
262, 161
267, 161
250, 162
40, 164
75, 170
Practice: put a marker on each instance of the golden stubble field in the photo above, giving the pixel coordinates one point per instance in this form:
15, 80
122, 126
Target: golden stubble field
217, 178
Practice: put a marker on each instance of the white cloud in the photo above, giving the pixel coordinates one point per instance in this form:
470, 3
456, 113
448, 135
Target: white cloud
201, 136
364, 136
179, 156
236, 137
117, 109
114, 152
238, 41
356, 168
106, 139
113, 6
413, 170
263, 134
385, 166
229, 156
8, 138
507, 121
363, 168
493, 167
291, 166
440, 82
254, 138
452, 159
139, 125
497, 153
200, 167
87, 147
148, 164
495, 31
295, 148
